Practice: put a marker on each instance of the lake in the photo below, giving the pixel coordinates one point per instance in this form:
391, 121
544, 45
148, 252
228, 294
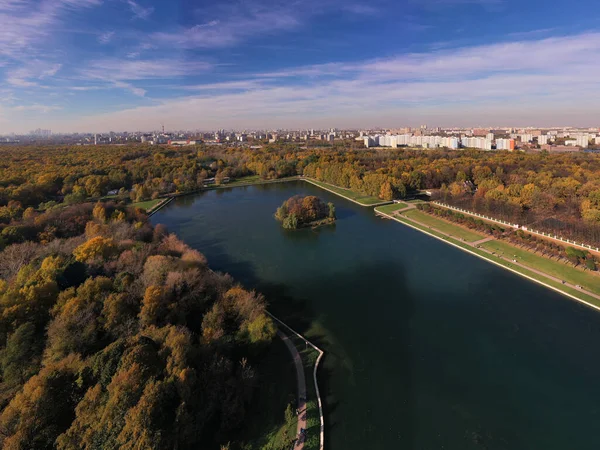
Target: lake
427, 347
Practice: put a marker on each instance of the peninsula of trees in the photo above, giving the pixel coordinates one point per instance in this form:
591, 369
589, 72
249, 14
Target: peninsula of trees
310, 211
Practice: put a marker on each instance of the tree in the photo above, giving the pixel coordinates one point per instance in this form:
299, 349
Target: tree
386, 192
96, 248
21, 356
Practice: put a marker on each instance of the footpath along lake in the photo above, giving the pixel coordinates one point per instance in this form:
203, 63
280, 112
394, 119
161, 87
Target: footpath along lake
427, 347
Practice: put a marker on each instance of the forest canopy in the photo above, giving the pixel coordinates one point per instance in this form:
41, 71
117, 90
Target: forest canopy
118, 335
297, 212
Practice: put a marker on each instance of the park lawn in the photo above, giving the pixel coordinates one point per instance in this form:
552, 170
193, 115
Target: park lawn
388, 209
574, 292
365, 200
557, 269
265, 426
444, 226
245, 180
147, 204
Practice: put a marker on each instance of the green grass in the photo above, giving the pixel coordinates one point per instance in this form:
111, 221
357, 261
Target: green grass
363, 199
574, 292
388, 209
446, 227
245, 180
552, 267
147, 204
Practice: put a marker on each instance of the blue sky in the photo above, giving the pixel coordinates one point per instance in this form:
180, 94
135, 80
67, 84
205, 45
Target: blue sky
99, 65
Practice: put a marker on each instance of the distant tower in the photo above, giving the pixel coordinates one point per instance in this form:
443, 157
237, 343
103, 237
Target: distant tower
95, 139
163, 128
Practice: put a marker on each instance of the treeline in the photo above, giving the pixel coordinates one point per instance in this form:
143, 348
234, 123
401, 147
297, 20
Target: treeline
520, 238
552, 192
116, 334
470, 222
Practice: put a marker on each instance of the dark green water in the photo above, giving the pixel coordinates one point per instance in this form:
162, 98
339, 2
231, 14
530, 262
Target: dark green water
427, 347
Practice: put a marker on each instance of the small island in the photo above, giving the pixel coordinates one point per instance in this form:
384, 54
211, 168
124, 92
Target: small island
310, 211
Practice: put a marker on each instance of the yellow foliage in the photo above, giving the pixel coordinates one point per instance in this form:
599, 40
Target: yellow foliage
98, 247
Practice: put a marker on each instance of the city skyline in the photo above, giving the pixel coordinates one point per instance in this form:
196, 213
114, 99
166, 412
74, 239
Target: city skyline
100, 65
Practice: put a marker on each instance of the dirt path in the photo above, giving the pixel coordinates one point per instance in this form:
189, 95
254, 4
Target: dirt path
510, 260
301, 388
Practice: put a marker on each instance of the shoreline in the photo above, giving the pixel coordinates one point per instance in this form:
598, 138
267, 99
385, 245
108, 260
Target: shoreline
447, 241
309, 180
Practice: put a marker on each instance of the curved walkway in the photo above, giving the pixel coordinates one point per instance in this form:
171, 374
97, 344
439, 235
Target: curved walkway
301, 388
301, 367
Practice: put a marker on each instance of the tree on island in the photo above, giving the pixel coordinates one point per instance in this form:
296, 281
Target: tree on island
298, 212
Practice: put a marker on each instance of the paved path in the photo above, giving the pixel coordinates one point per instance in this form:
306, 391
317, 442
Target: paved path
476, 243
510, 260
301, 388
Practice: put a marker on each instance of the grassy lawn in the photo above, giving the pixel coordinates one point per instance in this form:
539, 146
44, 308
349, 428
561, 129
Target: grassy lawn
574, 292
244, 180
147, 204
557, 269
445, 227
265, 427
365, 200
388, 209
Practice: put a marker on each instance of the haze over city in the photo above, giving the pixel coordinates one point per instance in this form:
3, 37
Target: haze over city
99, 65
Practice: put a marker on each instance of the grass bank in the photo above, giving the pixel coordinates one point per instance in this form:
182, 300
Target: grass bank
554, 268
148, 204
388, 209
444, 226
356, 197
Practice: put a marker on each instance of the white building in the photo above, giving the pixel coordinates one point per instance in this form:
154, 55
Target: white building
583, 140
505, 144
477, 142
543, 139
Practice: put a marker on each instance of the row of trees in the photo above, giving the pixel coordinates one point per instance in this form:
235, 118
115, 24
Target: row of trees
118, 335
469, 221
521, 238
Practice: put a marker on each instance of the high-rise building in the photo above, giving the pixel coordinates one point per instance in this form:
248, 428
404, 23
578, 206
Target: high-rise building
505, 144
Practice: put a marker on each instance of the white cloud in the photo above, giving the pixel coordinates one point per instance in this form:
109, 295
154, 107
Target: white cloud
37, 108
26, 75
117, 69
105, 38
139, 12
228, 23
466, 83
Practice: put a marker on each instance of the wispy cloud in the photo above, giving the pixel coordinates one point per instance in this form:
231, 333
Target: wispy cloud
106, 37
493, 78
29, 74
139, 12
228, 23
37, 108
121, 73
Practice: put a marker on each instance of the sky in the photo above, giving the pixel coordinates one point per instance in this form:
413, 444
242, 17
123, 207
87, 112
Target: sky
101, 65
